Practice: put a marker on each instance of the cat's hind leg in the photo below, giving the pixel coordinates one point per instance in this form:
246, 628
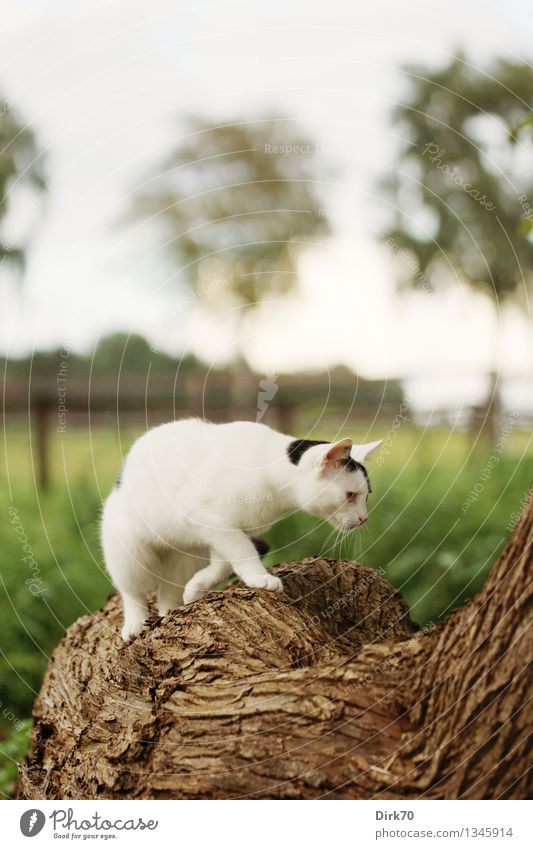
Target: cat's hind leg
176, 569
168, 596
131, 573
207, 578
168, 586
135, 614
130, 564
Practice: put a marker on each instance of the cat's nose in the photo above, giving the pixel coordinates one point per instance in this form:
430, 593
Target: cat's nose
363, 519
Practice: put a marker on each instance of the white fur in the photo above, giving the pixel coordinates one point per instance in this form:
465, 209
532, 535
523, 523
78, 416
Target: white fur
192, 493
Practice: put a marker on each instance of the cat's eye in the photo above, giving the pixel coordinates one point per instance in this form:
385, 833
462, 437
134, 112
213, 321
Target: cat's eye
351, 496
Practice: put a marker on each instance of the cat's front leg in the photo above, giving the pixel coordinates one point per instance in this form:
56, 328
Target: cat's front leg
207, 578
238, 549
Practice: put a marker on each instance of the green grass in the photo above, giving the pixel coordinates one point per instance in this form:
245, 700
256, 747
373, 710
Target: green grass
434, 552
12, 750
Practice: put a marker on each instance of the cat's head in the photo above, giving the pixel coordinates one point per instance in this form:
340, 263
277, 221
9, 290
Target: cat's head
333, 482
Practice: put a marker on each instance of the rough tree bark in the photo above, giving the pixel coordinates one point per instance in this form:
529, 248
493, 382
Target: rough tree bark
325, 691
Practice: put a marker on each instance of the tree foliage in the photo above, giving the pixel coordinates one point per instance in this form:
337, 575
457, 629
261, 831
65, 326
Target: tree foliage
461, 192
234, 203
20, 167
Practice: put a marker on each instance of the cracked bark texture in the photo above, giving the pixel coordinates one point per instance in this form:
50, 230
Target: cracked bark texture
325, 691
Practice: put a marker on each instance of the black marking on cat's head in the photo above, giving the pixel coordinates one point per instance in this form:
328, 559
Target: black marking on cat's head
119, 479
355, 466
298, 447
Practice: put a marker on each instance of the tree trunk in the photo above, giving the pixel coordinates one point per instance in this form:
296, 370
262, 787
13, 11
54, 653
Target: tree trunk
325, 691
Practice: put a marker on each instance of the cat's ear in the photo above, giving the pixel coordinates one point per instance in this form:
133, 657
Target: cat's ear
336, 453
361, 453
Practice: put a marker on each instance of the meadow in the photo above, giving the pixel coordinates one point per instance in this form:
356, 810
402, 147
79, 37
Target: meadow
440, 512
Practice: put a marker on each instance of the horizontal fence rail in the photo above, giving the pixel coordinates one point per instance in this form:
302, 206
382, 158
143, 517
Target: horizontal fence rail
308, 403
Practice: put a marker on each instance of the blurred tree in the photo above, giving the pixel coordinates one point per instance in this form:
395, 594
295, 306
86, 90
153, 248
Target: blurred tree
20, 168
459, 187
524, 125
235, 203
130, 356
119, 357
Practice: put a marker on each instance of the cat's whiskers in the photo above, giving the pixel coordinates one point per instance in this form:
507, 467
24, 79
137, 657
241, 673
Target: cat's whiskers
347, 545
344, 545
339, 542
350, 543
341, 538
337, 533
360, 543
324, 550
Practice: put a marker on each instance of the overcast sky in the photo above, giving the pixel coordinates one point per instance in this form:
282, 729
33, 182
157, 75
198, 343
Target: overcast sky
103, 85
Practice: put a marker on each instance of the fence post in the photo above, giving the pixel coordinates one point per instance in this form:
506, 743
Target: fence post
41, 421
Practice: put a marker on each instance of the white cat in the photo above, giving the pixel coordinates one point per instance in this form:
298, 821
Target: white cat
192, 492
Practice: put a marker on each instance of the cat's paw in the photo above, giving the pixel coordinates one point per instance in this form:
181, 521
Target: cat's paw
193, 593
265, 582
130, 630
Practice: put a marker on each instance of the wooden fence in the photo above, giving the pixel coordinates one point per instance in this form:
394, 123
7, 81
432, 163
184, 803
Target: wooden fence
301, 405
46, 410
